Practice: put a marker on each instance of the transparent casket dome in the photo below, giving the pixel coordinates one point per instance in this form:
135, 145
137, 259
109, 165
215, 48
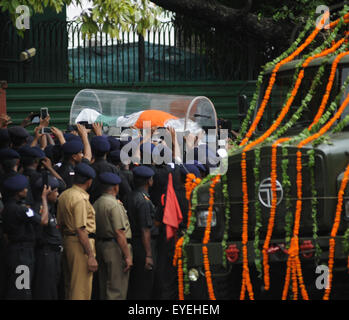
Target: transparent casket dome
92, 105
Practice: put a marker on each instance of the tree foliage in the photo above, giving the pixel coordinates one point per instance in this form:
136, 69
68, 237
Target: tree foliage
109, 16
268, 20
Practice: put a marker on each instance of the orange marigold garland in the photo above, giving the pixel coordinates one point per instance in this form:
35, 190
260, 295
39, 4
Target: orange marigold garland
328, 89
274, 126
294, 263
272, 212
289, 102
178, 261
246, 281
206, 239
335, 227
191, 183
272, 80
294, 248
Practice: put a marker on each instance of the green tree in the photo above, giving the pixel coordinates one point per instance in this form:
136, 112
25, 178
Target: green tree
272, 20
109, 16
244, 34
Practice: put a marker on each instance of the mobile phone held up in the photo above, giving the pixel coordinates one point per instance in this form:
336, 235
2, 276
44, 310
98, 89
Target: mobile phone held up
44, 176
43, 113
46, 130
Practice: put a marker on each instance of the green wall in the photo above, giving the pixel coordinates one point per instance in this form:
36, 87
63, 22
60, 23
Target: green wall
24, 98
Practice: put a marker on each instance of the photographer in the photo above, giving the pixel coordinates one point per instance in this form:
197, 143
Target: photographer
75, 151
48, 245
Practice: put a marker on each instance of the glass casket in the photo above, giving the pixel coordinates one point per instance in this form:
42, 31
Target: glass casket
121, 109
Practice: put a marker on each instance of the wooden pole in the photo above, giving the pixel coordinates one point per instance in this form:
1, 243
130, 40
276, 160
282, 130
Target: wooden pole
3, 87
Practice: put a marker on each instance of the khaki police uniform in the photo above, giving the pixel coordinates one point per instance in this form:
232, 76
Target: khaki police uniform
110, 216
74, 212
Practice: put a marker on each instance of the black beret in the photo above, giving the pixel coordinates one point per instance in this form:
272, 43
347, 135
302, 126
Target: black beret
72, 147
52, 182
109, 178
190, 168
48, 151
114, 143
4, 135
31, 152
8, 153
71, 137
115, 155
85, 170
143, 171
18, 131
100, 144
16, 183
200, 166
147, 147
30, 139
209, 154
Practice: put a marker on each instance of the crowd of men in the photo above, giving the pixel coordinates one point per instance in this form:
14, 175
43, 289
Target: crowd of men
78, 223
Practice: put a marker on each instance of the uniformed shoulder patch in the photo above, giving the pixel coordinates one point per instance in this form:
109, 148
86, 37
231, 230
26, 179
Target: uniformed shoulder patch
29, 213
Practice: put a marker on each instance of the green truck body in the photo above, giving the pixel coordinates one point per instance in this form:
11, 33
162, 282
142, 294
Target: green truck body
331, 159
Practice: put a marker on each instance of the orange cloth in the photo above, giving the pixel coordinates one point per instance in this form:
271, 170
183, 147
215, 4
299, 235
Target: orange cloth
172, 212
157, 118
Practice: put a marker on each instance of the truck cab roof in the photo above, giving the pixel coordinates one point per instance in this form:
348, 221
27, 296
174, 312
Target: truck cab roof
314, 63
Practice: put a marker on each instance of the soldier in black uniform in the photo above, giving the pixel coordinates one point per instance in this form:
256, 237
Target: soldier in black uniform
100, 147
9, 160
4, 138
72, 156
168, 289
19, 221
126, 185
2, 255
48, 247
156, 192
203, 169
30, 158
19, 136
141, 212
114, 143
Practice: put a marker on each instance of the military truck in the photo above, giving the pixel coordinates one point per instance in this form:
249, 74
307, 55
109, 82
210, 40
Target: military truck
331, 158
